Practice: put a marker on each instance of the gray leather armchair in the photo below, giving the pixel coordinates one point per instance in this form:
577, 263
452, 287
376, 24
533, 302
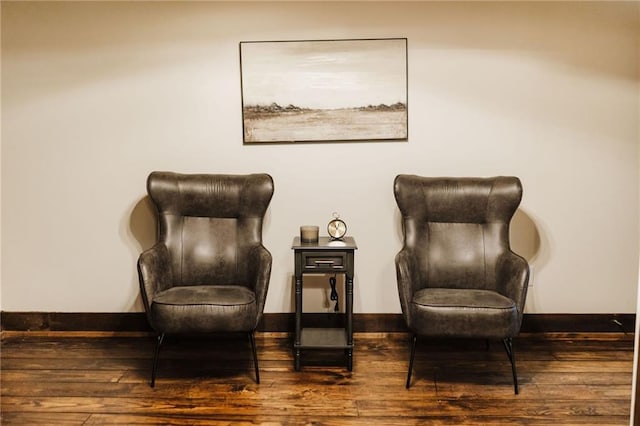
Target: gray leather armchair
457, 276
208, 271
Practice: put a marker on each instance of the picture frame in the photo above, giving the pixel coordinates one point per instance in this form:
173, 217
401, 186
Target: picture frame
343, 90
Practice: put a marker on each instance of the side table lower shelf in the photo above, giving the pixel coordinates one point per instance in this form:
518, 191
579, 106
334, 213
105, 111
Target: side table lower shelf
324, 338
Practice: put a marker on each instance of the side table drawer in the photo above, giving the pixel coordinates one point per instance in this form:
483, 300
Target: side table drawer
325, 261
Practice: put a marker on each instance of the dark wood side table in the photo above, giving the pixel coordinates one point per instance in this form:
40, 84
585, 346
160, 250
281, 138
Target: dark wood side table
329, 257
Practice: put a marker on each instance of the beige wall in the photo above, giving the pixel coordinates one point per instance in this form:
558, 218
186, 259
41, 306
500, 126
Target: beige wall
97, 95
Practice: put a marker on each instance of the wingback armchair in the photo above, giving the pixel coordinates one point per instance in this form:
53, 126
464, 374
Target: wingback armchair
456, 273
208, 271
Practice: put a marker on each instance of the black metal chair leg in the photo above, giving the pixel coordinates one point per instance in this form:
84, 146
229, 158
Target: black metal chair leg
508, 346
255, 357
413, 352
156, 354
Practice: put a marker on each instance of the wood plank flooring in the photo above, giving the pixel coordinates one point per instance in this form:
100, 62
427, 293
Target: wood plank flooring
86, 379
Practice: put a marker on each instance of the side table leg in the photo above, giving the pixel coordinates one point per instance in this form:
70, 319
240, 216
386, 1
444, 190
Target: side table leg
349, 318
349, 308
298, 322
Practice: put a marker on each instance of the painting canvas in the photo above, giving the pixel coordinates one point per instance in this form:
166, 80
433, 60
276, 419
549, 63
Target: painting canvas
324, 90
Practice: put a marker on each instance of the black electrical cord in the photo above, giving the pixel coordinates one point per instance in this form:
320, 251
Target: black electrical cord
334, 292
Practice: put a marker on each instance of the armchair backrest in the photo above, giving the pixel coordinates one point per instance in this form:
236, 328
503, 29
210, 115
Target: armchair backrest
209, 223
457, 229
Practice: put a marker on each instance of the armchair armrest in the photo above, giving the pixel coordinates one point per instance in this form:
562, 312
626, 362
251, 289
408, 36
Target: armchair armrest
154, 273
513, 279
408, 279
259, 274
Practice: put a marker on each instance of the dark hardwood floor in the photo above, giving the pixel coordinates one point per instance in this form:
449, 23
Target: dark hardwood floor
101, 378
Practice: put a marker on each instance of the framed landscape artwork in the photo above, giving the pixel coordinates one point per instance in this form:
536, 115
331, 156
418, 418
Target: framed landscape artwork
324, 90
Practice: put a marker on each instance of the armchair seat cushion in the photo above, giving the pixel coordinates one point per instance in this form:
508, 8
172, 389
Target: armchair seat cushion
204, 308
463, 313
224, 295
